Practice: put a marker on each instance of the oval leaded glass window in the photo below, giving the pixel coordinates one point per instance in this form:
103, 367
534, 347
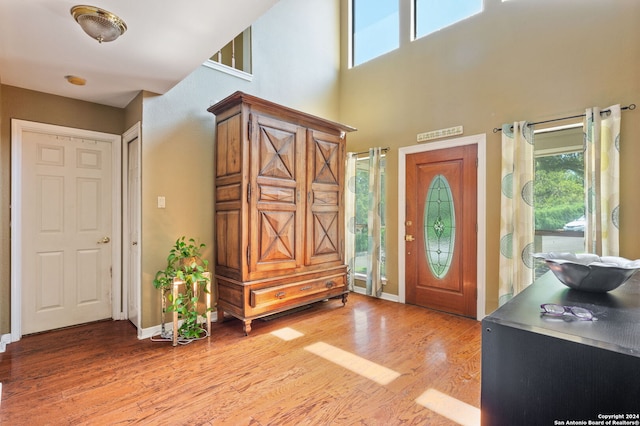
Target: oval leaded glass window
439, 226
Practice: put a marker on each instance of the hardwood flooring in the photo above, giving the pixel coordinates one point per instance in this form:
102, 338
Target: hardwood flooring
330, 374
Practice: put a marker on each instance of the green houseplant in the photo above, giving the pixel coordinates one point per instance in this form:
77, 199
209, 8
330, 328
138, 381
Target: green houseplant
182, 282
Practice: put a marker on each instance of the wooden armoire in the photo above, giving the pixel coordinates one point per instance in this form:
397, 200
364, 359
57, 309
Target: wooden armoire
279, 214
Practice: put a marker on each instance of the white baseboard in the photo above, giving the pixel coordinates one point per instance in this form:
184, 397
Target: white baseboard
5, 339
384, 296
147, 333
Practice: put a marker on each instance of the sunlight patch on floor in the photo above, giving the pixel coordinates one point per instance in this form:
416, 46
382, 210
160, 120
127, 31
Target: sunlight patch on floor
449, 407
287, 333
355, 363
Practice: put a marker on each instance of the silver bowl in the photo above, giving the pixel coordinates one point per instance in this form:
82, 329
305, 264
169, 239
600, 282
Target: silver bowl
590, 272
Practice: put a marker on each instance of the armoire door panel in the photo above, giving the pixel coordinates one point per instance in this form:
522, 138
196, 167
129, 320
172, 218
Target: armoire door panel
324, 210
276, 178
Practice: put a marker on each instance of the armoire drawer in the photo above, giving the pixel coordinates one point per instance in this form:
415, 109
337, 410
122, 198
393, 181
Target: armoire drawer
277, 294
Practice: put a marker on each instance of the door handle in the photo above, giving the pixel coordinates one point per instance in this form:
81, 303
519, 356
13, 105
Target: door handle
408, 237
105, 240
135, 243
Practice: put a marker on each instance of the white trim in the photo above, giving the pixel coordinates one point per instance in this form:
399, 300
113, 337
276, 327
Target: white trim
481, 141
5, 339
17, 128
385, 296
147, 333
131, 134
227, 70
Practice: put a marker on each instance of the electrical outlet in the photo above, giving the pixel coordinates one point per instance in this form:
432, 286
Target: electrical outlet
161, 202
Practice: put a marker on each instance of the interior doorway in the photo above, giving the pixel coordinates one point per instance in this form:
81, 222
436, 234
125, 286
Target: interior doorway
132, 219
65, 226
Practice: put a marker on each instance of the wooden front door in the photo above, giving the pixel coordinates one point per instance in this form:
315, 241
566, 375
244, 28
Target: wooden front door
440, 229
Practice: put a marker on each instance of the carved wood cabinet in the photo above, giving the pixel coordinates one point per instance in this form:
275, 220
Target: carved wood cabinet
279, 230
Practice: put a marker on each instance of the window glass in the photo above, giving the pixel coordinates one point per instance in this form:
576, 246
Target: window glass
362, 216
559, 193
376, 28
433, 15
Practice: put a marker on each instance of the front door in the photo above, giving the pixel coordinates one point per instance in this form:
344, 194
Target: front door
66, 256
441, 233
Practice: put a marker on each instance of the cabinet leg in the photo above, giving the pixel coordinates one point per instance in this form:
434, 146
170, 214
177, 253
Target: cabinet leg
247, 327
344, 298
220, 315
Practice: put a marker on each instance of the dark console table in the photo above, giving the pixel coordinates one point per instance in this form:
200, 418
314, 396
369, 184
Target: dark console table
541, 370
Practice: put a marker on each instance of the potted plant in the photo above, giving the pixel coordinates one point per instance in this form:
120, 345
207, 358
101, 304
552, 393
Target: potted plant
182, 282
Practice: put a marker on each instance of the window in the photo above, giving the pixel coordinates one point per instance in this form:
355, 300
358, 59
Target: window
235, 57
362, 216
559, 189
375, 29
433, 15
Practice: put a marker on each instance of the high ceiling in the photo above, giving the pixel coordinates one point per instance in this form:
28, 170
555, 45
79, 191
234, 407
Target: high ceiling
40, 43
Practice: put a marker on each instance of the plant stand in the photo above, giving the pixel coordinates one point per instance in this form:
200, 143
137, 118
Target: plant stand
176, 284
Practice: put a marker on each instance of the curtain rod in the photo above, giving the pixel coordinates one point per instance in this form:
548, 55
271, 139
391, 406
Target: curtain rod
366, 152
630, 107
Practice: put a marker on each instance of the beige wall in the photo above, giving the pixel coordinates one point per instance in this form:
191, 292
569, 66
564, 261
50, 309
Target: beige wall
295, 63
40, 107
518, 60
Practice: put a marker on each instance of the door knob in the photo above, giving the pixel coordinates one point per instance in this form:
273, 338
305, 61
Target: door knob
409, 238
135, 243
105, 240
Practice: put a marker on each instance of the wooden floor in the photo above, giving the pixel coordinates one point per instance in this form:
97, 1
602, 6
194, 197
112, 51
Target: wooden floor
101, 374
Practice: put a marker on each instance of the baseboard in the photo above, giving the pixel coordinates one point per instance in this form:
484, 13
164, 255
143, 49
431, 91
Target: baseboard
384, 296
5, 339
147, 333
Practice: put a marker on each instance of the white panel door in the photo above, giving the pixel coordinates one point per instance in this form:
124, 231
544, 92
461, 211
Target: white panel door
66, 231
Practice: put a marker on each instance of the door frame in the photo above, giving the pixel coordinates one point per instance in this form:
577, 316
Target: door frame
129, 136
480, 140
18, 127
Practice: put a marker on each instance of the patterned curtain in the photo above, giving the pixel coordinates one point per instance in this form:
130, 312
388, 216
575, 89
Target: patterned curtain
516, 210
350, 217
602, 176
374, 273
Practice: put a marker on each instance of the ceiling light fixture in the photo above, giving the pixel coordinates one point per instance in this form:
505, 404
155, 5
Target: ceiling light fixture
98, 23
74, 79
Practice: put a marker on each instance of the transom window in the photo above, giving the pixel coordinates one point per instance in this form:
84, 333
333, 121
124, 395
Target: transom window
375, 29
375, 24
433, 15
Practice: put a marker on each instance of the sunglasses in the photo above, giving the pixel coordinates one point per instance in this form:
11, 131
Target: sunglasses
555, 310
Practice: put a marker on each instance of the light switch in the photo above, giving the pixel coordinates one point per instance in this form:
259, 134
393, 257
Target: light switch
161, 202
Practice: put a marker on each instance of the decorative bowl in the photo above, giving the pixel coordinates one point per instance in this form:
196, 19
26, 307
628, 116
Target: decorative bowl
590, 272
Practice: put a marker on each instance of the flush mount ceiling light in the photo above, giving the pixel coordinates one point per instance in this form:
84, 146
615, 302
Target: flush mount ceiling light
74, 79
98, 23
